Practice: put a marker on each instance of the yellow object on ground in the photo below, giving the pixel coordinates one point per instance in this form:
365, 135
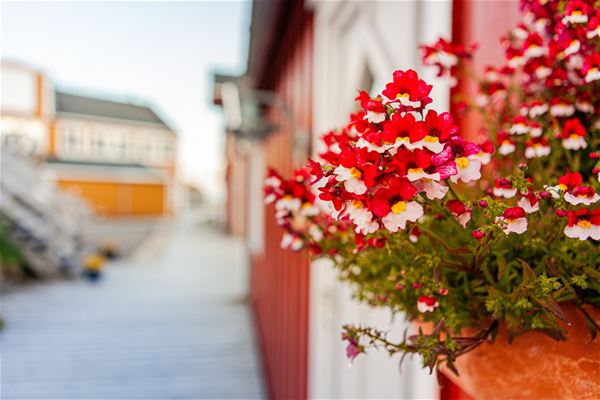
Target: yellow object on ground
93, 262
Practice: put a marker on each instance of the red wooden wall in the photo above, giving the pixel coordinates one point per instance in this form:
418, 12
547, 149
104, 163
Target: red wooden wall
280, 279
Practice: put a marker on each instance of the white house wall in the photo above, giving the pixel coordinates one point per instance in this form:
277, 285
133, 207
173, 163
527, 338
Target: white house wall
350, 36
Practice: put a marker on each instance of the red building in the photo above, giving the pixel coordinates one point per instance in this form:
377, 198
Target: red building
305, 61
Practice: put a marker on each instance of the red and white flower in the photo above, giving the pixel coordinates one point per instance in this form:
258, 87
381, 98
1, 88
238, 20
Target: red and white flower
352, 178
537, 147
575, 13
513, 220
459, 211
573, 135
427, 304
537, 108
506, 145
583, 224
561, 108
529, 202
520, 125
504, 188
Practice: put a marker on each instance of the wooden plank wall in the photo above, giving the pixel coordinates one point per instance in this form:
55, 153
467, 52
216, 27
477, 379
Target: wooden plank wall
279, 278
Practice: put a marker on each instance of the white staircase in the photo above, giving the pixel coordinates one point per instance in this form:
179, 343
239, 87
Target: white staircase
46, 223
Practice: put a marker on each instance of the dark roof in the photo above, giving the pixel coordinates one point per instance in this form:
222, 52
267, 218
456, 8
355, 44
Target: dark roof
70, 103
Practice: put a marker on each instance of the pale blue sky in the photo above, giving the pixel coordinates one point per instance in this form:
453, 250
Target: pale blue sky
162, 53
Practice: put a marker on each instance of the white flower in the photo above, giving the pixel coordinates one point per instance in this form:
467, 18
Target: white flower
576, 200
576, 17
362, 143
594, 33
525, 204
573, 47
405, 100
482, 100
270, 198
432, 143
537, 110
484, 157
375, 117
562, 110
583, 230
574, 142
415, 174
308, 210
584, 106
537, 150
516, 62
555, 191
464, 218
361, 217
273, 182
534, 51
288, 203
351, 178
469, 169
593, 74
506, 193
290, 241
401, 213
542, 72
506, 148
315, 233
517, 225
427, 304
367, 227
519, 129
433, 190
536, 131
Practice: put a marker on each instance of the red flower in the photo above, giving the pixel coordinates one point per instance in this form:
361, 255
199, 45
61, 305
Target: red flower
403, 126
407, 85
513, 213
440, 126
399, 189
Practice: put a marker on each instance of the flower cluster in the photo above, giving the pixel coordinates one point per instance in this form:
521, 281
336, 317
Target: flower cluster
295, 210
401, 154
446, 57
425, 221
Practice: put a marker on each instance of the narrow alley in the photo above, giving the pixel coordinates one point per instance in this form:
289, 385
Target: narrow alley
170, 321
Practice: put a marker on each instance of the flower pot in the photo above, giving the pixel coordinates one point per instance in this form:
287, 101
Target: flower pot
534, 366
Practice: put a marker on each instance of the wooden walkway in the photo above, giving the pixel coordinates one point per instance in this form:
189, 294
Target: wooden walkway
170, 322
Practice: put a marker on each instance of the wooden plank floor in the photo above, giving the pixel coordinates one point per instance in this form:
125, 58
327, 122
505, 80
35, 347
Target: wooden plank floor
170, 322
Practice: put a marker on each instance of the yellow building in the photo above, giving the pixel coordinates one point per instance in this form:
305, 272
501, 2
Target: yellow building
119, 157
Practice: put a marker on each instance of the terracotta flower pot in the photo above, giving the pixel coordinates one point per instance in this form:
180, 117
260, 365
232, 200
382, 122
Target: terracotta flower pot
534, 366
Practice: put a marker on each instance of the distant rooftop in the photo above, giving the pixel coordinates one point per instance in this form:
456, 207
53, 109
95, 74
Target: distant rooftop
74, 104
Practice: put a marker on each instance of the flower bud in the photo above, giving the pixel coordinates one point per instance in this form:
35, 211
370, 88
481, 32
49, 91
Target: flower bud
523, 166
416, 285
561, 213
443, 291
477, 234
543, 194
399, 286
483, 203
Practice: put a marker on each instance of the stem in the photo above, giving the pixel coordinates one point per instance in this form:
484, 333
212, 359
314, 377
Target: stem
452, 190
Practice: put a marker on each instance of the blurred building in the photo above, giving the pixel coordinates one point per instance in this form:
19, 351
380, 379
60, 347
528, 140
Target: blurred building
27, 108
306, 59
119, 157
